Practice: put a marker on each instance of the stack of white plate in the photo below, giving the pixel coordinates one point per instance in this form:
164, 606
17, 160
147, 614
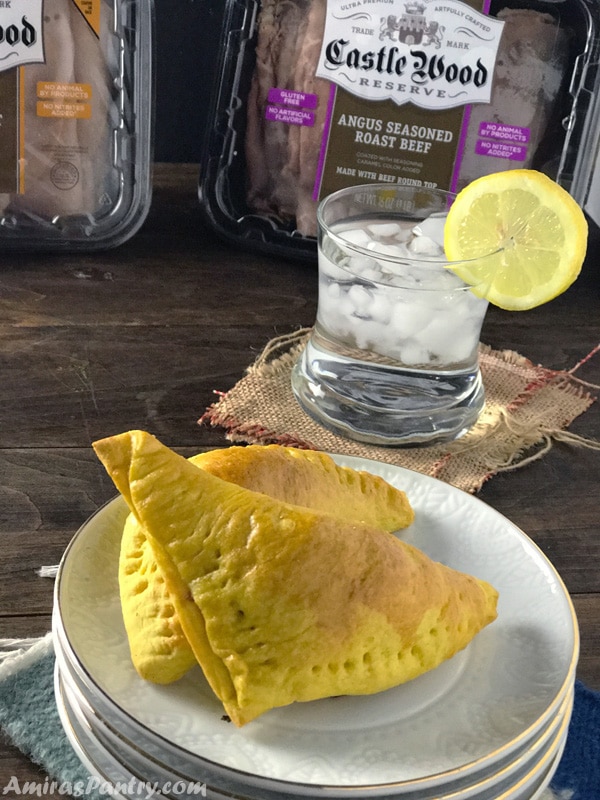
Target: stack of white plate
490, 724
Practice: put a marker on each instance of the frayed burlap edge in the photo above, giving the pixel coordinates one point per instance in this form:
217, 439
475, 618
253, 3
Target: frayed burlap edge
528, 408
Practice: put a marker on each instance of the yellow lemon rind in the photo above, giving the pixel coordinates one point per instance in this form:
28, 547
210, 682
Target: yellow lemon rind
464, 232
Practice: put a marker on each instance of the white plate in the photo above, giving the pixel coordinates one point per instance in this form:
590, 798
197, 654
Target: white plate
132, 756
97, 763
469, 713
110, 775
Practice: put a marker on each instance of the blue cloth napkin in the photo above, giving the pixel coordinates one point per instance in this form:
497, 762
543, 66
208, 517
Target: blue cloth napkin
29, 719
579, 768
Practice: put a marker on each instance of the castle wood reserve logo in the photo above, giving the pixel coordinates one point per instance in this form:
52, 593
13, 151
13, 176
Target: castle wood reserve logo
412, 27
434, 54
21, 36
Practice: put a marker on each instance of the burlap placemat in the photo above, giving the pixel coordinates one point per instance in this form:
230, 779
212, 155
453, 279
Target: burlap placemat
527, 408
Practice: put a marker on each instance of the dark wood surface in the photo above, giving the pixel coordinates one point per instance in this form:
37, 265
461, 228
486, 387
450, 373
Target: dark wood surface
142, 336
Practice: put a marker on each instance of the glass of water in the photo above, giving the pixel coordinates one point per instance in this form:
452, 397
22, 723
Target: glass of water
393, 356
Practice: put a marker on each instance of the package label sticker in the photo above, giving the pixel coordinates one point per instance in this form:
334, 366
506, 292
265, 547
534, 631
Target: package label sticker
64, 100
91, 12
62, 110
68, 92
508, 133
435, 55
512, 152
291, 116
293, 98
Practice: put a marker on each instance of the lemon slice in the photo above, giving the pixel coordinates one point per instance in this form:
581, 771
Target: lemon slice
535, 224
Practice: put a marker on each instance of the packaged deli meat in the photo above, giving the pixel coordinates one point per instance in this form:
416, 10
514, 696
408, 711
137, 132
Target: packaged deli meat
316, 95
75, 122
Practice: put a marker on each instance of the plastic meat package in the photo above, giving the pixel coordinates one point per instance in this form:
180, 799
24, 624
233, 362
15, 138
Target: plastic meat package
75, 122
316, 95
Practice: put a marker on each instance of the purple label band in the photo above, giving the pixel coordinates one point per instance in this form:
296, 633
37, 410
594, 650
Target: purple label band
291, 116
460, 150
287, 97
324, 141
506, 133
512, 152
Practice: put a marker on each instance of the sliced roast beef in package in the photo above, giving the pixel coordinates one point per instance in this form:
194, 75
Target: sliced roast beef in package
75, 122
316, 95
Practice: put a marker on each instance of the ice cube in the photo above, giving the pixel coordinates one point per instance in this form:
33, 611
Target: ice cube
330, 269
332, 291
374, 273
335, 319
367, 335
452, 336
449, 301
381, 308
398, 250
461, 348
403, 274
329, 301
405, 232
362, 266
384, 229
413, 354
425, 246
385, 344
408, 318
357, 236
335, 307
441, 335
361, 299
433, 228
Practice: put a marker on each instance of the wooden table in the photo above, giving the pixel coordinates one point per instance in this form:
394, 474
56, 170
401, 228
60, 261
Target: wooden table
140, 337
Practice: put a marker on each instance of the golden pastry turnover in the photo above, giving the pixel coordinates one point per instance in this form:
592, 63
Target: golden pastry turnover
159, 649
281, 603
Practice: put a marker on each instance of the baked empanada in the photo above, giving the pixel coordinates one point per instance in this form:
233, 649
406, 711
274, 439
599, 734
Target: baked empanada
159, 650
281, 603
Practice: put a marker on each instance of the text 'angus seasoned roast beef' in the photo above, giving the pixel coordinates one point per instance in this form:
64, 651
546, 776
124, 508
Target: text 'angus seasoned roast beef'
323, 94
69, 108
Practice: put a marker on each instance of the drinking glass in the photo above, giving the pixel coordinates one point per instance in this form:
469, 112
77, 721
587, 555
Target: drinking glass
393, 355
